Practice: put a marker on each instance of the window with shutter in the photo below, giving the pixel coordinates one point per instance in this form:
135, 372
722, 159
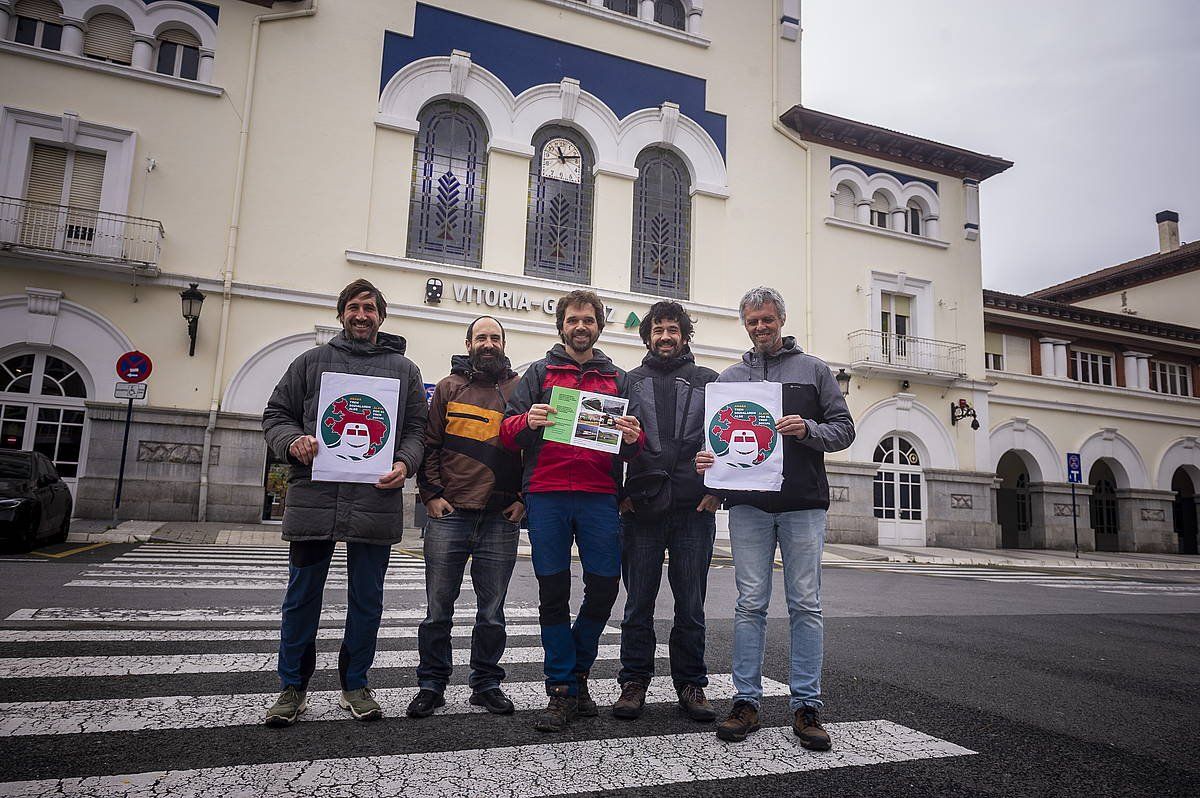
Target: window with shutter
38, 24
44, 195
993, 347
843, 202
59, 177
879, 210
178, 54
87, 179
109, 37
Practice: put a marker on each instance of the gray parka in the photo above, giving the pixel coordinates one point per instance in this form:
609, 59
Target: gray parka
345, 511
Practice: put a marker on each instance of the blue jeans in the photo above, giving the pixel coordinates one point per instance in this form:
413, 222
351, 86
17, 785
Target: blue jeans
753, 536
556, 519
308, 565
688, 536
490, 541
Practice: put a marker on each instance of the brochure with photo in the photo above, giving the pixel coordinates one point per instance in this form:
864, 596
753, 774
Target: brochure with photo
583, 418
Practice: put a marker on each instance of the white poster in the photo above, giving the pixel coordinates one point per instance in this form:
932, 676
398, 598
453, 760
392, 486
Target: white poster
356, 425
741, 419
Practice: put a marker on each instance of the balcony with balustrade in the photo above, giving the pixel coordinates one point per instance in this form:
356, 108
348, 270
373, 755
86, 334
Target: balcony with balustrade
907, 356
64, 234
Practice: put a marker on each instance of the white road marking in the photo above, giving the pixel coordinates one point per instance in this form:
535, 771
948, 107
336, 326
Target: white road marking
162, 664
248, 709
523, 771
176, 584
330, 612
199, 635
115, 567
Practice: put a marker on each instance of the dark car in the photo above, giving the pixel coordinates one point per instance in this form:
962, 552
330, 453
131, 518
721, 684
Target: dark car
35, 504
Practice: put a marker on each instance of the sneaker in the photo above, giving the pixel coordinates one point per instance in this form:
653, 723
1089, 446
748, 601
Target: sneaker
560, 711
289, 706
361, 703
632, 701
425, 702
695, 704
807, 726
493, 700
587, 707
742, 720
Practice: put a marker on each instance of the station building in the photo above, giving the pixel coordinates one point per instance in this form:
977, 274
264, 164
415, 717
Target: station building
475, 158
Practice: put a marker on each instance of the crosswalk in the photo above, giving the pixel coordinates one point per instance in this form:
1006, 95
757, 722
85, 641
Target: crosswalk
1102, 583
169, 700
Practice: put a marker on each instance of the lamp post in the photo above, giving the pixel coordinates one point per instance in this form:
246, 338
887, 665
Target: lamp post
843, 381
192, 300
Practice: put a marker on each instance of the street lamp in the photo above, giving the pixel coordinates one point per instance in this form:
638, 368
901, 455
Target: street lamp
961, 411
843, 381
192, 301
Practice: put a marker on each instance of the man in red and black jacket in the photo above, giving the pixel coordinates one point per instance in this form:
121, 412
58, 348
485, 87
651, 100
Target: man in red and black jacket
571, 496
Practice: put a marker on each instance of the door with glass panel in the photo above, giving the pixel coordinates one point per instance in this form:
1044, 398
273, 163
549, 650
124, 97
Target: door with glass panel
899, 505
42, 409
895, 316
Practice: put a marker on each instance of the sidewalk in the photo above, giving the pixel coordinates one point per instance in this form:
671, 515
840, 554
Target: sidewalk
89, 530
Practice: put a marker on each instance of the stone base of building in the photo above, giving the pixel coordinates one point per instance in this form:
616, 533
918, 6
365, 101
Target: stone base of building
1146, 521
1051, 524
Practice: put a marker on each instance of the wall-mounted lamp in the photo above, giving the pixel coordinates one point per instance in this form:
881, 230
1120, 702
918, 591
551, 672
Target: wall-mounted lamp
843, 381
963, 410
192, 300
905, 385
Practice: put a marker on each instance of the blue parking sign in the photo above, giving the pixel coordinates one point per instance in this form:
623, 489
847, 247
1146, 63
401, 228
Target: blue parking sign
1074, 468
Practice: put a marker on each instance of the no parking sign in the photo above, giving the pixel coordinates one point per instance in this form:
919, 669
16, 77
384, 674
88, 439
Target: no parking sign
134, 366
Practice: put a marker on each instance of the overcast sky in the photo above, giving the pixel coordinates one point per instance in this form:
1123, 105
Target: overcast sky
1097, 103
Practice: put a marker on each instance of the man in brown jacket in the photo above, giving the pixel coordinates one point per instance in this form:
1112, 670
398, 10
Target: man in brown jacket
470, 486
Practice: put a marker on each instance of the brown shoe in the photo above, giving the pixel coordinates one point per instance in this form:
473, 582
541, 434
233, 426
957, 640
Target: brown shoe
587, 707
807, 726
632, 701
559, 712
742, 720
694, 703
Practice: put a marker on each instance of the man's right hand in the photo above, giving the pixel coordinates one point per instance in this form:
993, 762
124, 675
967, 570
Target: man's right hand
438, 507
704, 460
539, 416
304, 449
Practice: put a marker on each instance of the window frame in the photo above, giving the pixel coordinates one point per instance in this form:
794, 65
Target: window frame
1183, 377
36, 402
537, 220
1098, 359
680, 206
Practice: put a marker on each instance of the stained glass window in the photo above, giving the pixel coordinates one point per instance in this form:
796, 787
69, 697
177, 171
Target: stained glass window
629, 7
662, 214
558, 239
670, 13
445, 220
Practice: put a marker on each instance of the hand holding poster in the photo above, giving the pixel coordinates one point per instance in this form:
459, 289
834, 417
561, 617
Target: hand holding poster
356, 420
583, 418
741, 434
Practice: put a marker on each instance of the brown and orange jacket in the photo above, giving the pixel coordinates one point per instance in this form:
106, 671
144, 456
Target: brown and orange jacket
464, 461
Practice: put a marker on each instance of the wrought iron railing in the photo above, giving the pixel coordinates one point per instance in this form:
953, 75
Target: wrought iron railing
907, 353
66, 229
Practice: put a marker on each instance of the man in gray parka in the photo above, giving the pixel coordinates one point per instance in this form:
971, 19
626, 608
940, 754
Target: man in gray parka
368, 518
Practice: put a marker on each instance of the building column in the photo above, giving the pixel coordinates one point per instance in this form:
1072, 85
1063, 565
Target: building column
1060, 359
5, 9
862, 211
971, 209
72, 35
204, 72
693, 22
1137, 370
143, 52
898, 219
931, 227
1054, 357
1145, 521
646, 10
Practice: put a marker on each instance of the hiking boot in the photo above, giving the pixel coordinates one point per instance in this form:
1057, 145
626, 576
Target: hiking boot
289, 706
807, 726
361, 703
586, 706
632, 701
560, 711
493, 700
425, 702
695, 705
742, 720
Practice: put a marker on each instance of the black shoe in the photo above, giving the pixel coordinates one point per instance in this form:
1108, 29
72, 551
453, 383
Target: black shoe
425, 703
586, 706
493, 700
806, 724
560, 711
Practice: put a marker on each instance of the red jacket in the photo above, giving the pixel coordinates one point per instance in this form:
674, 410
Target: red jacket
551, 466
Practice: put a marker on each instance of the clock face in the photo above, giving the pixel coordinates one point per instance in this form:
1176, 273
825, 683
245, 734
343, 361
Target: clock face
561, 160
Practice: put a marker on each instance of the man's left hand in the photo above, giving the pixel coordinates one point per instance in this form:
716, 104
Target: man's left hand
631, 428
394, 478
792, 425
514, 512
709, 504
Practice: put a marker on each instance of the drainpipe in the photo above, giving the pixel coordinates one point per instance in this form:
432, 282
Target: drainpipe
235, 222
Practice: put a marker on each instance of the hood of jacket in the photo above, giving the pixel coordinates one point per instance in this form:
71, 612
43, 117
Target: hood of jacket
558, 356
461, 364
384, 342
669, 364
754, 358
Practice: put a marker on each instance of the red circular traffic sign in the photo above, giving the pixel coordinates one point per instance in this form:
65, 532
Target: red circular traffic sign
134, 366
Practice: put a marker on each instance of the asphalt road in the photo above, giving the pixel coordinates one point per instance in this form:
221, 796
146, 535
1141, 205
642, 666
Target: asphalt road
943, 681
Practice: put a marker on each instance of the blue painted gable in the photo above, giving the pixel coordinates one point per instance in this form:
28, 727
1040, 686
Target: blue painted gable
523, 60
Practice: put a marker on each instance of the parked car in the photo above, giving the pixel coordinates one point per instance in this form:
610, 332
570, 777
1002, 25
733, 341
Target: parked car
35, 504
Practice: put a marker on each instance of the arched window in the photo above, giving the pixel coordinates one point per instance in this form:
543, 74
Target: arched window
178, 54
41, 408
109, 37
445, 218
880, 208
1024, 514
843, 202
898, 480
662, 214
558, 239
629, 7
37, 23
912, 219
670, 13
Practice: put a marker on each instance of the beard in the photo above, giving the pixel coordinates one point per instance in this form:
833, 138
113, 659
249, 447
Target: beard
580, 343
667, 350
489, 362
